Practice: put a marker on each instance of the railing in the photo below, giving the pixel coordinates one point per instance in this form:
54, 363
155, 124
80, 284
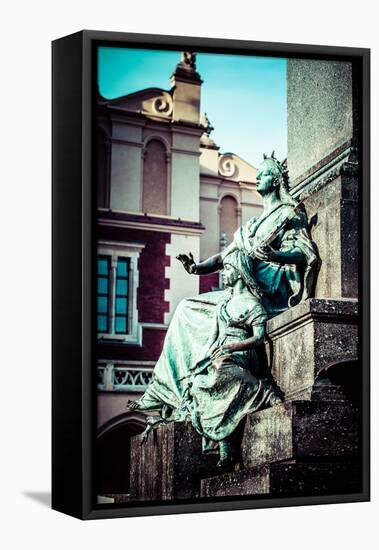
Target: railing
112, 377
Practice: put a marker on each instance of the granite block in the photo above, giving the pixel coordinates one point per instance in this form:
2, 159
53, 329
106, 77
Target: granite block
301, 430
169, 465
308, 338
287, 479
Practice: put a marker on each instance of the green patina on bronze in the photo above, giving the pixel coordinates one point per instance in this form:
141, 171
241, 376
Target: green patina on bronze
205, 373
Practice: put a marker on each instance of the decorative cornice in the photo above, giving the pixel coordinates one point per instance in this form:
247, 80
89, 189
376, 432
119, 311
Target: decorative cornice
343, 311
121, 245
149, 222
315, 168
210, 145
185, 152
342, 161
217, 179
344, 169
119, 141
141, 118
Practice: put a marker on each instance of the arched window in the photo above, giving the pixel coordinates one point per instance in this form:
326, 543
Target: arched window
102, 171
228, 217
154, 196
113, 458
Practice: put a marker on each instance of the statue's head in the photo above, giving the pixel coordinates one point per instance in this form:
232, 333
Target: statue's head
271, 175
238, 265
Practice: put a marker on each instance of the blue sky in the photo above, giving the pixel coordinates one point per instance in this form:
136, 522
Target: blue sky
243, 96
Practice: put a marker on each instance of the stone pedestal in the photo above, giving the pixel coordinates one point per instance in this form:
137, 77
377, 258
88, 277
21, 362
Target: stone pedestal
169, 465
321, 111
306, 339
307, 445
301, 430
323, 136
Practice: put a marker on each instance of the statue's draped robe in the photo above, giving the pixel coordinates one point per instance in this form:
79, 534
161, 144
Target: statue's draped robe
285, 285
184, 383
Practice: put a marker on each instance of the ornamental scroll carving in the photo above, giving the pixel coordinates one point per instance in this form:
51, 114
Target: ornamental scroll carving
227, 167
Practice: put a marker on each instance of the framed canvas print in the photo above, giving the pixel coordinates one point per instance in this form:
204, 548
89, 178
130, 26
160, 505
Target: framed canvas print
210, 274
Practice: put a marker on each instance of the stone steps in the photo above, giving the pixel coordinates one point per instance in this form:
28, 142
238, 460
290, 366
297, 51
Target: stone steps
290, 439
287, 479
296, 448
310, 443
114, 498
300, 430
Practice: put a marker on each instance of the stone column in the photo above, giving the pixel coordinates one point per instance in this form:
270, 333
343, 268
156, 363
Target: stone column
323, 166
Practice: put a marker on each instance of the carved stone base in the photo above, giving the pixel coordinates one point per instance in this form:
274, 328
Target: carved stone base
170, 464
306, 343
308, 338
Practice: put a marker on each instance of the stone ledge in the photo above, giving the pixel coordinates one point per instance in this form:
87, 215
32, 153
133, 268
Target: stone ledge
287, 479
300, 430
342, 310
305, 339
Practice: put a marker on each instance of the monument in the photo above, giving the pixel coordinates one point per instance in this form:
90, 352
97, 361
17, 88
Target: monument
231, 418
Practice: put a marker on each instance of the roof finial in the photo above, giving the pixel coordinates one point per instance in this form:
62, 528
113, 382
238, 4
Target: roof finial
188, 60
204, 121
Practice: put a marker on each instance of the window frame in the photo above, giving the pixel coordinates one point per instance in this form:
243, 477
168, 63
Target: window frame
131, 251
103, 294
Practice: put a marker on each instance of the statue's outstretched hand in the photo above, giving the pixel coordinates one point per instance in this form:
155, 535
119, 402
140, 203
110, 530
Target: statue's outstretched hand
188, 262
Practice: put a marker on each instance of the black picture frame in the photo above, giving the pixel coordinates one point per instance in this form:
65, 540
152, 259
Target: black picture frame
73, 206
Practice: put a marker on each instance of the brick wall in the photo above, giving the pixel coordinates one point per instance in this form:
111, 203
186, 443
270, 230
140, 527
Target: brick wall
150, 296
209, 282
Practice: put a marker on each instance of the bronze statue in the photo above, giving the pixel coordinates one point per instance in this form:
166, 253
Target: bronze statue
208, 353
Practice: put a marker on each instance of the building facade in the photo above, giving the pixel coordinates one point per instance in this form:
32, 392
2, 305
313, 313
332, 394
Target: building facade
163, 188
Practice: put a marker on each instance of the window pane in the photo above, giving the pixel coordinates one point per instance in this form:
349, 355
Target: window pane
102, 266
102, 323
121, 305
122, 287
102, 285
102, 304
122, 266
121, 325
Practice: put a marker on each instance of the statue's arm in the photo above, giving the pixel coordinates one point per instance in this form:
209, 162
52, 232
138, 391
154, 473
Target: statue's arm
253, 341
294, 256
212, 264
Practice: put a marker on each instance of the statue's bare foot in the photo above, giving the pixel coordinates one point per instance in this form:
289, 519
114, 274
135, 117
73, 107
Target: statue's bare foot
228, 456
275, 400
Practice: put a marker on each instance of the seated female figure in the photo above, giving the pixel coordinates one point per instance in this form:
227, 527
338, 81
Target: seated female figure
221, 389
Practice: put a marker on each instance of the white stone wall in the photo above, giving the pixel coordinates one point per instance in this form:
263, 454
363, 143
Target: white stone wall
126, 177
209, 161
185, 186
209, 216
127, 132
249, 211
182, 285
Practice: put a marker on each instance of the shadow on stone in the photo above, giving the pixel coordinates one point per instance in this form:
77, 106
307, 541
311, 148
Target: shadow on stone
342, 377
